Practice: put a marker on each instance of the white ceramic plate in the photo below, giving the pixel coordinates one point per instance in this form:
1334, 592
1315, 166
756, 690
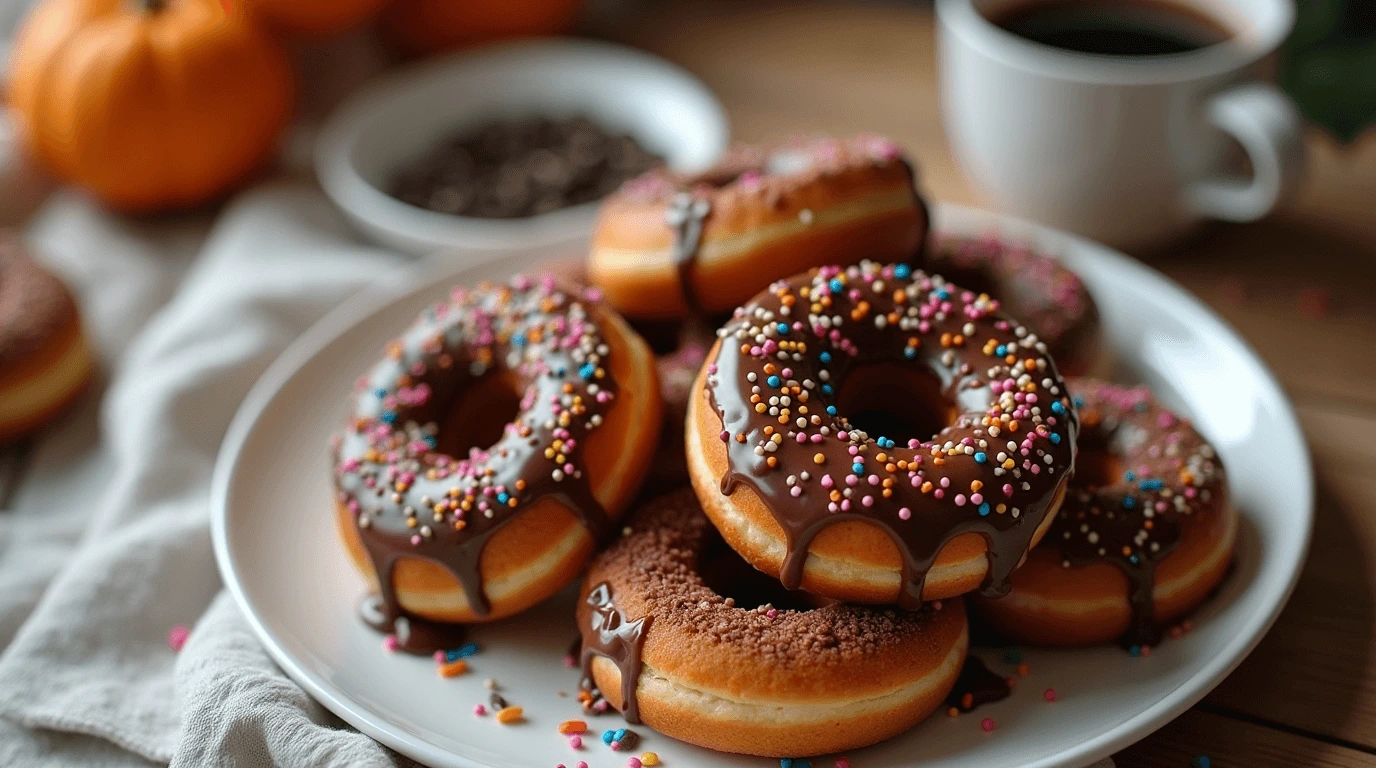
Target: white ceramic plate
404, 114
277, 548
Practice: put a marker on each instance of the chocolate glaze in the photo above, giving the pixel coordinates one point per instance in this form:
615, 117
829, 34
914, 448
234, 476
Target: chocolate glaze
413, 635
612, 637
36, 309
685, 216
1133, 519
1033, 287
979, 684
968, 478
408, 499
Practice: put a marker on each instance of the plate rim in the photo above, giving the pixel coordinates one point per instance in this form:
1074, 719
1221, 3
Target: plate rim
390, 287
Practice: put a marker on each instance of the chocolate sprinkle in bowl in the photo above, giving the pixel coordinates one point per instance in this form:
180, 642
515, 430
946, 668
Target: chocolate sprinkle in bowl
510, 147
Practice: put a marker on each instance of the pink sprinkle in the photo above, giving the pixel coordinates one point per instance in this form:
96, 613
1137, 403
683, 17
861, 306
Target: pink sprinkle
960, 499
987, 724
616, 746
904, 513
795, 491
570, 662
771, 613
479, 710
576, 741
581, 764
390, 642
176, 637
842, 763
439, 657
1049, 694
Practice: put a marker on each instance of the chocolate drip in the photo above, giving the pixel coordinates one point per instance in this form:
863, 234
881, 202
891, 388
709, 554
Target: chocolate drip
413, 635
685, 216
964, 480
614, 638
1158, 470
408, 499
977, 685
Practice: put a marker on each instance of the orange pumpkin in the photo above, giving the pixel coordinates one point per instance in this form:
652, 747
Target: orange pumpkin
426, 26
312, 18
149, 104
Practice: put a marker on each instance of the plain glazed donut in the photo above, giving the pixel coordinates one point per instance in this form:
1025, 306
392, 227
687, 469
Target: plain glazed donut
804, 494
667, 245
1144, 537
738, 673
484, 536
1038, 290
45, 363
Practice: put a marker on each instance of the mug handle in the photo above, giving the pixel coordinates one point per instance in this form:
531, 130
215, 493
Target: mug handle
1264, 121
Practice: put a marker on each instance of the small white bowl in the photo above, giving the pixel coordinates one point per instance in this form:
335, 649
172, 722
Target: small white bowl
396, 119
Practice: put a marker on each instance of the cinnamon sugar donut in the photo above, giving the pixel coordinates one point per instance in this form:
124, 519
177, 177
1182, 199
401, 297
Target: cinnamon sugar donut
668, 245
755, 670
1144, 537
45, 362
949, 504
1033, 287
451, 533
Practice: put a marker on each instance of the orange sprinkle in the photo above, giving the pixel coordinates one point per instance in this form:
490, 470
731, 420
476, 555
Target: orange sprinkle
453, 668
509, 715
573, 726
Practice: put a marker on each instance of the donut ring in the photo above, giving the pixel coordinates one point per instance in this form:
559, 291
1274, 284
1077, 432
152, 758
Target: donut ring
666, 648
45, 362
485, 536
1033, 287
667, 245
1144, 537
805, 495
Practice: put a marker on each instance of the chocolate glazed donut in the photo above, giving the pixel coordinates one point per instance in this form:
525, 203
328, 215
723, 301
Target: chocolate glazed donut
1145, 535
423, 524
805, 494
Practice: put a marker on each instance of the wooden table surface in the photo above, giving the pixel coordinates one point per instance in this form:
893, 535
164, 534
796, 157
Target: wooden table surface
1307, 695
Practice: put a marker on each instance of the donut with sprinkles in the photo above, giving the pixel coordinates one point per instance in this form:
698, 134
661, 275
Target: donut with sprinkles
805, 494
668, 245
1145, 535
1033, 287
455, 513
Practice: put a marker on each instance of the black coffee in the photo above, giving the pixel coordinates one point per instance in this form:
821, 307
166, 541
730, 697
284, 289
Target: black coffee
1114, 27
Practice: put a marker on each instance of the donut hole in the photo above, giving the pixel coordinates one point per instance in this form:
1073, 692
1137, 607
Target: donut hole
1096, 467
729, 575
896, 402
480, 414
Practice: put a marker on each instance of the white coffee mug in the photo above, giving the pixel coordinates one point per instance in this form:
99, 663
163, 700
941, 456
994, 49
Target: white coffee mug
1128, 150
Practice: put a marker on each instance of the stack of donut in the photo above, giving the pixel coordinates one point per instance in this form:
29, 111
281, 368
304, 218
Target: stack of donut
864, 443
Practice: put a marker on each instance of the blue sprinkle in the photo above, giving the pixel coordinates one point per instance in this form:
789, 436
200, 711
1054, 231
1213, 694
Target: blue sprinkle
1079, 402
1134, 560
1001, 350
794, 762
826, 389
1129, 502
831, 410
902, 271
773, 381
1152, 485
1129, 475
858, 469
1201, 761
981, 457
1056, 407
586, 370
1055, 438
1012, 657
519, 339
885, 442
836, 285
783, 328
431, 441
910, 352
608, 736
380, 392
502, 498
1135, 650
389, 417
825, 357
462, 652
559, 371
984, 509
943, 294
